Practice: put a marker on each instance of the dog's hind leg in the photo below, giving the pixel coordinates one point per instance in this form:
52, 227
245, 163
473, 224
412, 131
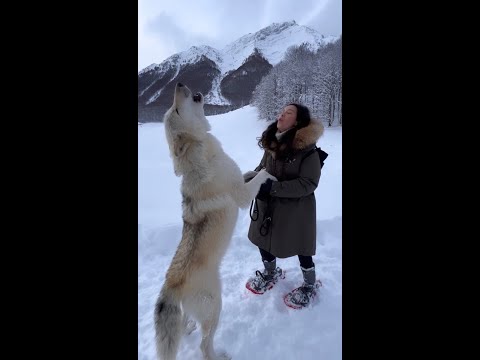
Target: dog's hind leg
209, 325
205, 306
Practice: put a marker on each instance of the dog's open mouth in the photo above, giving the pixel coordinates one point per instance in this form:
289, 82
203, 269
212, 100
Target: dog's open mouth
197, 97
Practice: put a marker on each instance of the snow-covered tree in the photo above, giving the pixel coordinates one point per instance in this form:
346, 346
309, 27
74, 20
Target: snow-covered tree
307, 77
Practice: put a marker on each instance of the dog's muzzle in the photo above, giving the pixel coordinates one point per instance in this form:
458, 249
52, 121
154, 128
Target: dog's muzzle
197, 97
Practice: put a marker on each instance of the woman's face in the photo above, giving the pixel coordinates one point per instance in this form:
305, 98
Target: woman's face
287, 118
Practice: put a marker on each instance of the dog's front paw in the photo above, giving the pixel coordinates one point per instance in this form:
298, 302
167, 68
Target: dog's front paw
272, 177
266, 175
249, 175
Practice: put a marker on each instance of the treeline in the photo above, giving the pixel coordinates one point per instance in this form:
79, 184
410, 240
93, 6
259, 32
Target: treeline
311, 78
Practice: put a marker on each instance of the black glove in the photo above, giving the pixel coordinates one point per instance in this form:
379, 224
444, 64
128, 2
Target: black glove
264, 192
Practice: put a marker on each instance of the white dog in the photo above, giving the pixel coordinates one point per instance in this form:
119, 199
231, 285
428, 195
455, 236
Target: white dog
212, 189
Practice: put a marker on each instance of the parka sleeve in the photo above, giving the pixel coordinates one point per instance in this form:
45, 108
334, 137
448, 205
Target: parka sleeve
304, 185
262, 162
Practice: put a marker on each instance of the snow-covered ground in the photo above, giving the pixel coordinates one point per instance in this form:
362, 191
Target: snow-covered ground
251, 327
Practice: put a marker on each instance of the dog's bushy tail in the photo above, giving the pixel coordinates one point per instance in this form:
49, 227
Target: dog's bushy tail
168, 316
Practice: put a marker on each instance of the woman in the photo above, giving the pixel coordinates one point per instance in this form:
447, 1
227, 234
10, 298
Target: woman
284, 212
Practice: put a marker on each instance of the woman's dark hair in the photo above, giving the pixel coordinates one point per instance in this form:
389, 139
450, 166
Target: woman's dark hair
269, 141
303, 115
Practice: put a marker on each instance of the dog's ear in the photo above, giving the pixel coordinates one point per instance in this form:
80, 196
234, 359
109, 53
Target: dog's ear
181, 145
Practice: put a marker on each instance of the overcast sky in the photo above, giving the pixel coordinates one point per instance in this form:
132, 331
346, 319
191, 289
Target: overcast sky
166, 27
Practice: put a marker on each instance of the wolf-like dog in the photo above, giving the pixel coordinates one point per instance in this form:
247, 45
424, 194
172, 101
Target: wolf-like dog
213, 189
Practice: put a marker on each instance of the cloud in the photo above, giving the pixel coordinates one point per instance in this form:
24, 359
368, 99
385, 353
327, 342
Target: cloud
326, 17
168, 27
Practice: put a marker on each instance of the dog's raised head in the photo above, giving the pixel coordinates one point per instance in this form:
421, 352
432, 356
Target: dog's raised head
185, 121
186, 114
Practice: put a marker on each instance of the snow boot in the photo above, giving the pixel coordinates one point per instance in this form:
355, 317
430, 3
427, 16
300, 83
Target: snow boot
302, 296
265, 281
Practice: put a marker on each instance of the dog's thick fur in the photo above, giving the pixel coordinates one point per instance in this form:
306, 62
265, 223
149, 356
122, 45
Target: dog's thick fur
212, 189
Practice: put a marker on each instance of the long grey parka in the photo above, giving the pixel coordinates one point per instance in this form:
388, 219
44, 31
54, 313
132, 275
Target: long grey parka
292, 204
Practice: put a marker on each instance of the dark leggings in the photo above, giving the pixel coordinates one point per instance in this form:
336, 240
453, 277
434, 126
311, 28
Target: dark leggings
305, 261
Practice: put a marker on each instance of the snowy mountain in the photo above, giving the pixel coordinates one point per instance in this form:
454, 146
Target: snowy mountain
226, 77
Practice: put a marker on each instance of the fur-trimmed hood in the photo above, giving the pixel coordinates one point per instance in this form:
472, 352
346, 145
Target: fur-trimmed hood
304, 138
308, 135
